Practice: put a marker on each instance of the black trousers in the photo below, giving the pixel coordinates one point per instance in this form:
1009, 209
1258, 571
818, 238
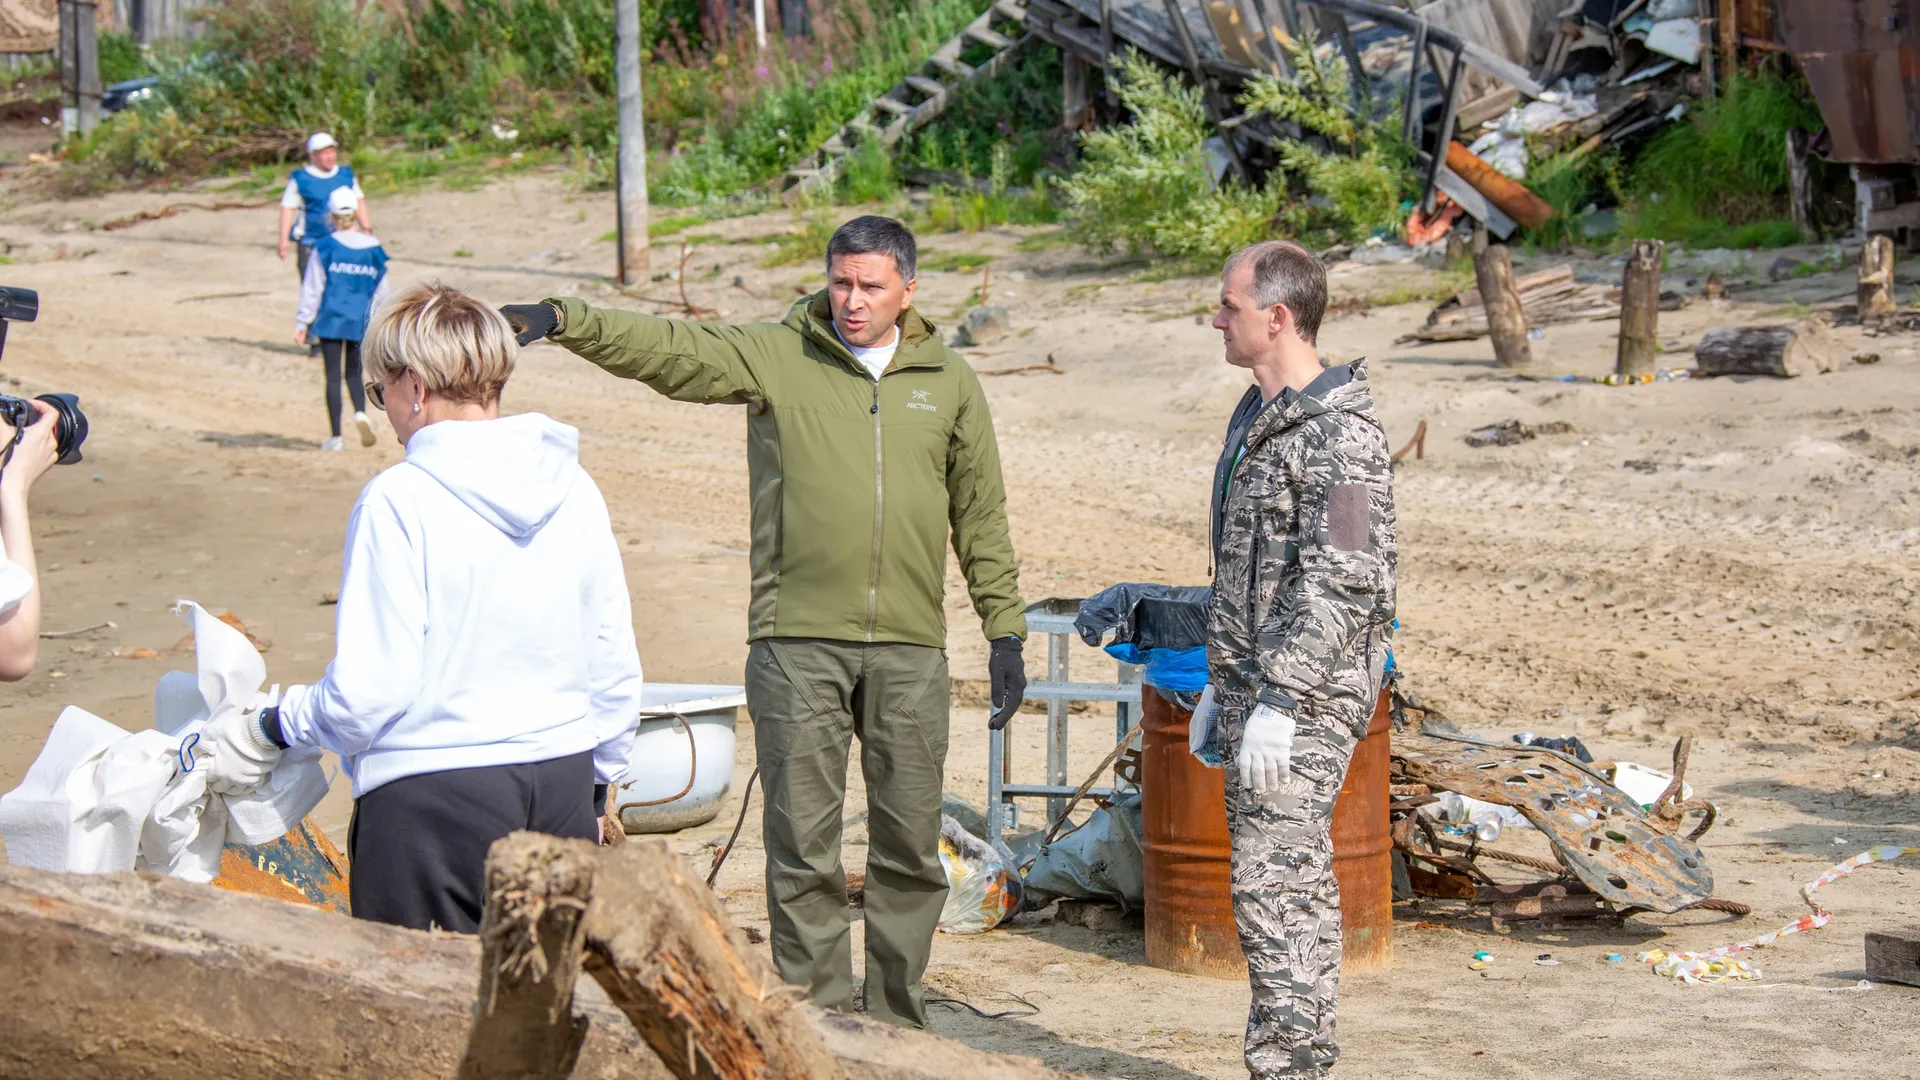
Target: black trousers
333, 352
417, 847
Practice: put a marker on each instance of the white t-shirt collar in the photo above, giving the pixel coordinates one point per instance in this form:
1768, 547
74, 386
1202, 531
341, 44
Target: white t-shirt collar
876, 358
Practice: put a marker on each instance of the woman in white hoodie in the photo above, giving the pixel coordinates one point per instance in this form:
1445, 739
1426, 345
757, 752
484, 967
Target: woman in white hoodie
485, 676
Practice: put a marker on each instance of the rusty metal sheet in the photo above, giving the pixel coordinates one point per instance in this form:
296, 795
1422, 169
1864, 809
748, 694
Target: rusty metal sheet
1862, 60
302, 867
1599, 833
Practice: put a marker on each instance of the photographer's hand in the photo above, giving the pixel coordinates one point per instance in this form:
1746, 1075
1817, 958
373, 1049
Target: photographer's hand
34, 454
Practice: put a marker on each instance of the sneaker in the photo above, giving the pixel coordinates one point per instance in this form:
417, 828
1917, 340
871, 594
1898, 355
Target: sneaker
335, 443
366, 428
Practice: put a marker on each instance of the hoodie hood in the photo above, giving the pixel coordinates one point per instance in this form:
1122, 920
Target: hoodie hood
1329, 393
514, 472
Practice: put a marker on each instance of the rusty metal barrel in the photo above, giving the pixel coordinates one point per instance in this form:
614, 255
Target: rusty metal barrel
1183, 810
1189, 887
1363, 851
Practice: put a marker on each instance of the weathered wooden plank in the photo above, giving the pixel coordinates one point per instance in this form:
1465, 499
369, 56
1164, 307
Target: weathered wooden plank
1894, 955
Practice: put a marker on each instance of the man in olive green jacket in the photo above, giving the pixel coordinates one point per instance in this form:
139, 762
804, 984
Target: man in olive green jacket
868, 442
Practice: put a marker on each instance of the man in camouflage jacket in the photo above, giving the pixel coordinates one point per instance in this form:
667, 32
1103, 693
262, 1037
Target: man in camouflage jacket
1303, 599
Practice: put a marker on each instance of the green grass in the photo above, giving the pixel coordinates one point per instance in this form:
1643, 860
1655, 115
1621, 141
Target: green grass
665, 227
462, 253
959, 262
809, 245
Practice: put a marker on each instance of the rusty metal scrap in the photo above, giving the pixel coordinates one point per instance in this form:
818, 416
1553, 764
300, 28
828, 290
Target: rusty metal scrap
1600, 837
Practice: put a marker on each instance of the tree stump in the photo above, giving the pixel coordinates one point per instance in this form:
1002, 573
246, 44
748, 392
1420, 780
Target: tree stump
1506, 322
531, 937
1640, 310
1779, 351
1876, 278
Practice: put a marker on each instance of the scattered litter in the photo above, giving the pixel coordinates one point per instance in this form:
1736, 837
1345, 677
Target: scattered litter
1545, 960
1716, 965
983, 888
1536, 334
1644, 785
137, 653
1513, 432
1614, 958
1838, 840
1463, 815
1866, 358
1483, 955
1570, 746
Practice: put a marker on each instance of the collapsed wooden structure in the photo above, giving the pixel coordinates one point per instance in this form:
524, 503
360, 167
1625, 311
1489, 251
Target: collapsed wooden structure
137, 975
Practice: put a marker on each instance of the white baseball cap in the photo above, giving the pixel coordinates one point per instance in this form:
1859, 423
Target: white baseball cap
319, 141
342, 200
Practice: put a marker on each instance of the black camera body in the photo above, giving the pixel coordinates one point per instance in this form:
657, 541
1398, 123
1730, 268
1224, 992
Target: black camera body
70, 430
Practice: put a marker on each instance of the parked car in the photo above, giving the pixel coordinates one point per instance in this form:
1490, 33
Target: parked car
123, 94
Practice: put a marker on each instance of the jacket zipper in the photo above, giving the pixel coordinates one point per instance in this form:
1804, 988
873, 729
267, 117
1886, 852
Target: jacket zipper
879, 505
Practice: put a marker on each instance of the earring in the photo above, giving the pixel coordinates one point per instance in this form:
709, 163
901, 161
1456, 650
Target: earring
416, 406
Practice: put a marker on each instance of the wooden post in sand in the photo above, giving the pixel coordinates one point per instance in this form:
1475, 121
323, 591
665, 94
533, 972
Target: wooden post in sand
1876, 278
531, 937
1506, 322
1640, 310
630, 162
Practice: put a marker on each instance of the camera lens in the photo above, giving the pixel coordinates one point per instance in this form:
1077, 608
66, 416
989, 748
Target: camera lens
70, 425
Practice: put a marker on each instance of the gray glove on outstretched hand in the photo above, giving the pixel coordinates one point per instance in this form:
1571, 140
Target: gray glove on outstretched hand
531, 322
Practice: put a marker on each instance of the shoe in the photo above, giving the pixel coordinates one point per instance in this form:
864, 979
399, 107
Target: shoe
366, 428
335, 443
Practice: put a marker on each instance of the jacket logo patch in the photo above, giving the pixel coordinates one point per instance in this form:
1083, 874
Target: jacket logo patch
1347, 524
920, 401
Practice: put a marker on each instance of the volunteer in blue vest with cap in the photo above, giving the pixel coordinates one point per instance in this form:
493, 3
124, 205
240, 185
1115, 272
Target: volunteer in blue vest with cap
345, 282
303, 205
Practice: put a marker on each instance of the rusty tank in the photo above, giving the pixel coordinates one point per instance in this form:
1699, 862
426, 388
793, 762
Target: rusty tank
302, 867
1189, 890
1363, 850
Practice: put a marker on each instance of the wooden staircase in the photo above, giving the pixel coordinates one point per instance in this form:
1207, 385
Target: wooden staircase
918, 98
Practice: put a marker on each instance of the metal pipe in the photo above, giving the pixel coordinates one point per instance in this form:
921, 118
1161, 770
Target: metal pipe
1477, 56
1410, 105
1444, 139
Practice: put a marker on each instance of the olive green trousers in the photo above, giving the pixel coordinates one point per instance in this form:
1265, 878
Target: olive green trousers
809, 698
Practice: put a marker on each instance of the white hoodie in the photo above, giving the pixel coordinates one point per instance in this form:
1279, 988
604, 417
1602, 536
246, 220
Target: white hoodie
483, 616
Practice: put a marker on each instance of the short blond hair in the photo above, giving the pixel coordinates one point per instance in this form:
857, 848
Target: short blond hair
455, 345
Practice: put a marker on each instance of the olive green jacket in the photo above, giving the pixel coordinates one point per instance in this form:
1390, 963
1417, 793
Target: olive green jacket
855, 481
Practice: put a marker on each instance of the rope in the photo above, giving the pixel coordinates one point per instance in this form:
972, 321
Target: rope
746, 800
693, 770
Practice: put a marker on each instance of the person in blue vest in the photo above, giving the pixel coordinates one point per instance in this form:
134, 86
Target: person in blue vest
303, 205
345, 282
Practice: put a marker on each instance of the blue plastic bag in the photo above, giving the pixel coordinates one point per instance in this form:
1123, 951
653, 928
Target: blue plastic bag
1168, 669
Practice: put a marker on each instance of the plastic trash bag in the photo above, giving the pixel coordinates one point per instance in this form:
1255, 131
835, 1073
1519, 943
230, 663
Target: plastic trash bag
1101, 860
100, 799
1145, 615
1168, 669
983, 888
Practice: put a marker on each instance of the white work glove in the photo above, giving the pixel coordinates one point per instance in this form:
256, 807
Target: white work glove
1266, 750
242, 754
1205, 715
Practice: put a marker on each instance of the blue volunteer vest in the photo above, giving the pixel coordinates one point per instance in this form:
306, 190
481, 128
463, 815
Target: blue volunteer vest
315, 191
352, 276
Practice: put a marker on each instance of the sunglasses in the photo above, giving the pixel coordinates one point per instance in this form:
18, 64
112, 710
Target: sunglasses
377, 394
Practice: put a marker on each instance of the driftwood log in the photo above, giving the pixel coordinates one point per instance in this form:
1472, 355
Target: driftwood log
1546, 297
1640, 310
664, 950
123, 975
1506, 323
1779, 351
531, 937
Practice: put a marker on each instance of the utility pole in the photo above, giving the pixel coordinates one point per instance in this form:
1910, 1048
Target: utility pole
630, 166
760, 24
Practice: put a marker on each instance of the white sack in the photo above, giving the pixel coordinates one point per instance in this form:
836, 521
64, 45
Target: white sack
99, 799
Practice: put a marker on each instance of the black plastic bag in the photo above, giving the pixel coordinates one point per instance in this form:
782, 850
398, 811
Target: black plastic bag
1146, 616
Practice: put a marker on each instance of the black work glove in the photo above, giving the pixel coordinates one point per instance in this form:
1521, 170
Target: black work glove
1007, 679
531, 322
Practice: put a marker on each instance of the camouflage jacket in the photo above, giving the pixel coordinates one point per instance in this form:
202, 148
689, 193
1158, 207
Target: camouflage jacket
1303, 534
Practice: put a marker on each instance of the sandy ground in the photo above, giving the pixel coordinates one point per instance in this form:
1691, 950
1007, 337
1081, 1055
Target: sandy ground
1730, 558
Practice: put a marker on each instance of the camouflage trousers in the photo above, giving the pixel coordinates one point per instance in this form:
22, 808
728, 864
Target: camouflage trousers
1285, 899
